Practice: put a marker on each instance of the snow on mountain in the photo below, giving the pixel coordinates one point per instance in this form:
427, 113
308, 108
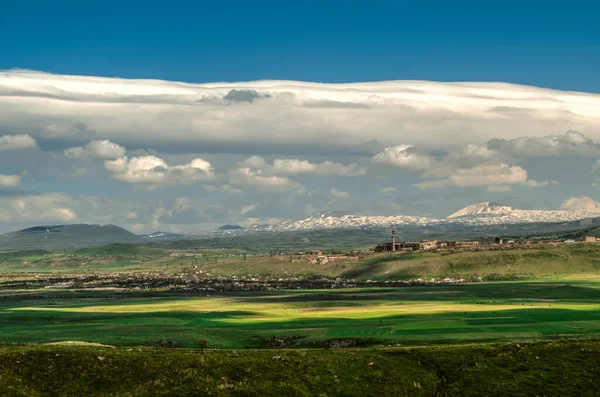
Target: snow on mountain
485, 208
487, 213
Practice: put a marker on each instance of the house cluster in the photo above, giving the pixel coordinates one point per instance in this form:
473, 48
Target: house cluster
425, 245
499, 243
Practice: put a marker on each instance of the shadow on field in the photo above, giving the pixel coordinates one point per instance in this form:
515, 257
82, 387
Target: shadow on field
246, 329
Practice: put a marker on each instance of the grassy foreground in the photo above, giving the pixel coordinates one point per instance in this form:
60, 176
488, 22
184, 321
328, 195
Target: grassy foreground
539, 369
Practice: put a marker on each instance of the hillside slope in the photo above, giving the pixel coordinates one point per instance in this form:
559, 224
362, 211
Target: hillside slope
66, 236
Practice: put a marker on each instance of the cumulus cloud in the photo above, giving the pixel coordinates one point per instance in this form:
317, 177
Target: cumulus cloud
39, 208
297, 166
103, 150
268, 114
403, 156
389, 190
17, 142
10, 180
256, 178
501, 174
339, 193
571, 142
581, 203
154, 171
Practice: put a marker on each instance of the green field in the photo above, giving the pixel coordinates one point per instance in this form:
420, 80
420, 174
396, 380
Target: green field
488, 311
540, 261
538, 369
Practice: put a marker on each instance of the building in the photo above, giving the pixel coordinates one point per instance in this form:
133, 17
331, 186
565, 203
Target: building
428, 245
466, 244
591, 239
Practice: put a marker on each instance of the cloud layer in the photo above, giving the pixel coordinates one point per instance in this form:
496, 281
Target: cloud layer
277, 114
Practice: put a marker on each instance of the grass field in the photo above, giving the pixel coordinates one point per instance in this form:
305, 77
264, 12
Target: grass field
489, 311
539, 262
538, 369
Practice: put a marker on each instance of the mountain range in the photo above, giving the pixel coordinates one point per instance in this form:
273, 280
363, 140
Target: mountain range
485, 213
479, 217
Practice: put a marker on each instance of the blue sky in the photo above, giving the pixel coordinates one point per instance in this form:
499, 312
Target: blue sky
90, 142
548, 44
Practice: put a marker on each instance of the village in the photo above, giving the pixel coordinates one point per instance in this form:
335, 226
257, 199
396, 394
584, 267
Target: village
429, 245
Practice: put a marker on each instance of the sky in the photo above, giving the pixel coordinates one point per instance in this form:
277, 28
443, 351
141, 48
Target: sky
187, 116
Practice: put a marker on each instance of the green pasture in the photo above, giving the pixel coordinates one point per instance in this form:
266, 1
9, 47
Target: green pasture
491, 311
542, 261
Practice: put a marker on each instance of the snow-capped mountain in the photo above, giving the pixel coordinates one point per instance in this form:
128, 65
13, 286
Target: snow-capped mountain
482, 209
486, 213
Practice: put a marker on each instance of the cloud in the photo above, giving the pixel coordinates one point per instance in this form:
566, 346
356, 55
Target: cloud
403, 156
183, 211
17, 142
389, 190
103, 150
66, 128
271, 115
581, 203
339, 193
296, 166
37, 208
10, 180
154, 171
499, 188
247, 208
571, 142
223, 188
484, 175
256, 178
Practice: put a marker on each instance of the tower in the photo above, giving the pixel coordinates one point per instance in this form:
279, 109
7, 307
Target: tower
393, 240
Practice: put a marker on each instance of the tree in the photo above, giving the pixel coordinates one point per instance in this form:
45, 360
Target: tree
202, 343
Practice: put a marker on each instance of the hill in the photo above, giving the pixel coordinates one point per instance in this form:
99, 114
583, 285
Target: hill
66, 236
231, 227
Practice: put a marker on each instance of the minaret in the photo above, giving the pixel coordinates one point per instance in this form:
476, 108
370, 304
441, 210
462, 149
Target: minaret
393, 240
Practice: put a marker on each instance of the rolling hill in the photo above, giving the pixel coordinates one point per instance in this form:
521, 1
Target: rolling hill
66, 236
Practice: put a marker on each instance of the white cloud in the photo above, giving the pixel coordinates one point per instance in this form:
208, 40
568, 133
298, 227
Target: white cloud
500, 175
16, 142
154, 171
403, 156
581, 203
389, 190
257, 172
10, 180
294, 114
339, 193
50, 207
297, 166
256, 178
103, 150
247, 208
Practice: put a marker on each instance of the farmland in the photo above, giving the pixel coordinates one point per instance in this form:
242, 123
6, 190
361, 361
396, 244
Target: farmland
540, 261
554, 308
234, 322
